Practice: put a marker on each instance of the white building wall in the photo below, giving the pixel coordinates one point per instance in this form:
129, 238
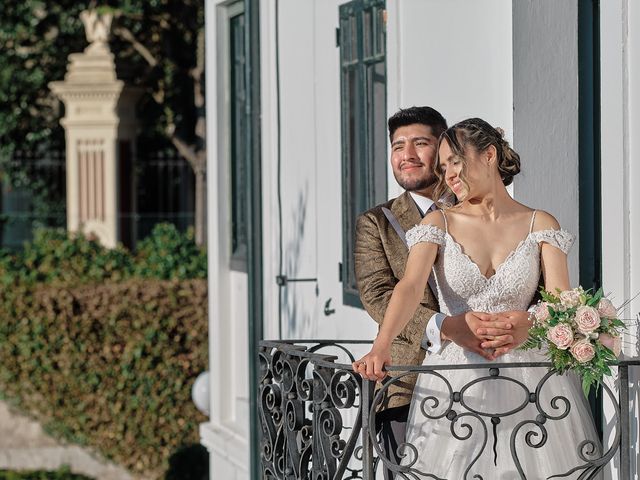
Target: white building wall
310, 172
620, 111
226, 435
513, 64
632, 140
545, 105
453, 55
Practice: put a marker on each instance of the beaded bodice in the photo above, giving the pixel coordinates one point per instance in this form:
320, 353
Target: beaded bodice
462, 287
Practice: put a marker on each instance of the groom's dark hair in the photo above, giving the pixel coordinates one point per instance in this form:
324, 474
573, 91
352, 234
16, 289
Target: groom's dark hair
424, 115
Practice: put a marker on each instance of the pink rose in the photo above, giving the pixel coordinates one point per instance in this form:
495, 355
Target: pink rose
583, 351
541, 312
570, 298
587, 319
606, 308
612, 342
561, 335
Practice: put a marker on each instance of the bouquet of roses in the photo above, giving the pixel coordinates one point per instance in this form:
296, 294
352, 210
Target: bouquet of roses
581, 331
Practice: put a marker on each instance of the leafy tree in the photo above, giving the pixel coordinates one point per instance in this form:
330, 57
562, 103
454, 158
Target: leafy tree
159, 46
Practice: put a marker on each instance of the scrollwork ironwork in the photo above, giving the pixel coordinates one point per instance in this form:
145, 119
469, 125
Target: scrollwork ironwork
312, 410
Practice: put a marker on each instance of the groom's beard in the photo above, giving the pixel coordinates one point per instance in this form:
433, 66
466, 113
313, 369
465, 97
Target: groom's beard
412, 184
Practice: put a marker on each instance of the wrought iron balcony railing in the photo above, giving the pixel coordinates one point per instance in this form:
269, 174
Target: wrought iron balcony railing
318, 418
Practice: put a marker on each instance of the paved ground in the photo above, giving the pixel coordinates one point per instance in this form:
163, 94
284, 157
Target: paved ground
25, 446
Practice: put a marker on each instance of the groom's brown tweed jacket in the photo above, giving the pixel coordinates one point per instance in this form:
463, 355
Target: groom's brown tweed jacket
380, 258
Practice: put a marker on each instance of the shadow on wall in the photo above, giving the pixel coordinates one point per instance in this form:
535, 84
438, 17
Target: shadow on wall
190, 462
299, 322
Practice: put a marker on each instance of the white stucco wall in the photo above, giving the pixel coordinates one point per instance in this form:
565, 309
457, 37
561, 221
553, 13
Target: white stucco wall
620, 111
453, 55
545, 110
226, 433
310, 172
516, 65
632, 140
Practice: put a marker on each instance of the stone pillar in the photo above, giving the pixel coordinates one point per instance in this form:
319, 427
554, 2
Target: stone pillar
100, 128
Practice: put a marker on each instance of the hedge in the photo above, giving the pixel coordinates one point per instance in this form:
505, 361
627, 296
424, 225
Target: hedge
57, 257
61, 474
103, 357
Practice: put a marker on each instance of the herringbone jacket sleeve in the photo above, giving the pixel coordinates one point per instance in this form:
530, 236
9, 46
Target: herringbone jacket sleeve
376, 277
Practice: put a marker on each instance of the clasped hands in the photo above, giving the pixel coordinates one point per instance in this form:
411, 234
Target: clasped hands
490, 335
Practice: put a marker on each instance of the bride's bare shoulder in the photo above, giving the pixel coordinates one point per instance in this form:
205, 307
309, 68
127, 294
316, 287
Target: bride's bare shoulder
545, 221
434, 218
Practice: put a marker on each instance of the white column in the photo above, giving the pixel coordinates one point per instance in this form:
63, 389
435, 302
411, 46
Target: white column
632, 57
615, 247
99, 115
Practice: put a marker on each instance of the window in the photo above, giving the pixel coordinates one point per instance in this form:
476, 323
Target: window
363, 82
237, 131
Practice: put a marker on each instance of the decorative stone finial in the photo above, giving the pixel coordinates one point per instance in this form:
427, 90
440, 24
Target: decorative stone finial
97, 27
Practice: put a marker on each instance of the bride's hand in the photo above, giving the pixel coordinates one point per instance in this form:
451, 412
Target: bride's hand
371, 366
520, 324
463, 331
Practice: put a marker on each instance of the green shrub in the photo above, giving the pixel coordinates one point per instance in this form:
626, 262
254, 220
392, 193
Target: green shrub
61, 474
168, 254
60, 258
108, 365
55, 256
102, 345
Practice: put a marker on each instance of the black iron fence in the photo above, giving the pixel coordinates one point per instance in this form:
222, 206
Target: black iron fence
155, 187
318, 418
32, 195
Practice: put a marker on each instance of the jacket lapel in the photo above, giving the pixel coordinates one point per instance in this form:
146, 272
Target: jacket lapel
406, 211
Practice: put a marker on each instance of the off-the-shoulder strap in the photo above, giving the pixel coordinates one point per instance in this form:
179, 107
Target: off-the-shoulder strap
425, 233
446, 226
533, 219
558, 238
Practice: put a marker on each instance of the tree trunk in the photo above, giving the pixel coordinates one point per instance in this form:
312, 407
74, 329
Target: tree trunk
201, 207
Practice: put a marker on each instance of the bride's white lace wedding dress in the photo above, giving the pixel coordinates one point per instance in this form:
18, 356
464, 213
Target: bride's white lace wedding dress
487, 451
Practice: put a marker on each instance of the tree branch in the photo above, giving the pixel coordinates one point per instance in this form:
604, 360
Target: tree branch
198, 94
196, 158
128, 36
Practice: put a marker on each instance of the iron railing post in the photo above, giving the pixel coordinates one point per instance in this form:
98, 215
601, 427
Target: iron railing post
625, 458
367, 447
306, 394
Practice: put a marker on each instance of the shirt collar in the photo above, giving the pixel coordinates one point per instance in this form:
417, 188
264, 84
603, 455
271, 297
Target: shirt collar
423, 203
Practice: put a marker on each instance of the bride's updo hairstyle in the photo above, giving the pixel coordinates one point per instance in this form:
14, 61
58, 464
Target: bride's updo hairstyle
479, 134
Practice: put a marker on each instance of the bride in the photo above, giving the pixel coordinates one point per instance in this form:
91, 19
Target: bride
486, 254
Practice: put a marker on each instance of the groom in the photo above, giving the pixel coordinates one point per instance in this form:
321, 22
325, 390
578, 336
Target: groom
380, 258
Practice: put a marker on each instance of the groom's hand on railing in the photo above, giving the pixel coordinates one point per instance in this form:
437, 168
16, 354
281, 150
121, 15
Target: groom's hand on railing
371, 366
462, 330
520, 323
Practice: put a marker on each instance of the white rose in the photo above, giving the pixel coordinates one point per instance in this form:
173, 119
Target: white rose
541, 312
570, 298
561, 335
606, 309
583, 351
587, 319
613, 343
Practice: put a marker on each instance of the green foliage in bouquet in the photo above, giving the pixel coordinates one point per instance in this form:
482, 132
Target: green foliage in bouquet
580, 331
